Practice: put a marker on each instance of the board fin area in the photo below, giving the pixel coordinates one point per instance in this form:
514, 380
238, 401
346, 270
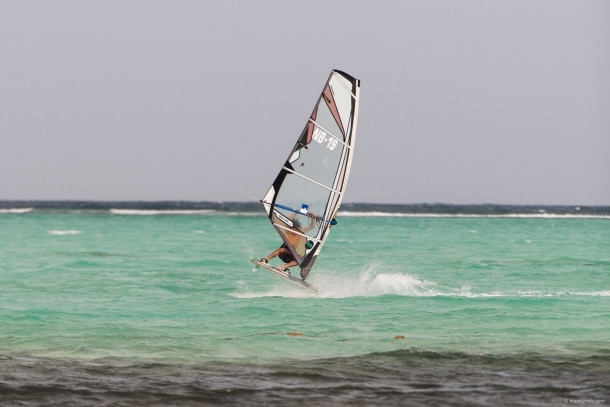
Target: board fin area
286, 275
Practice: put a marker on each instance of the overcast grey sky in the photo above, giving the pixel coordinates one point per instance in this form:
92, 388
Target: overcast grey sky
471, 101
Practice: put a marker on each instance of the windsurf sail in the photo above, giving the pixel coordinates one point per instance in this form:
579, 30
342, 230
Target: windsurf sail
304, 199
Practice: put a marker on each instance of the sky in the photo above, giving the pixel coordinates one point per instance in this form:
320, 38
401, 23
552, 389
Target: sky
470, 101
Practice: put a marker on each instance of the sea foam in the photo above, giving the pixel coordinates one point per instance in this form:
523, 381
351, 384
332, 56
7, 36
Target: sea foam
64, 232
371, 282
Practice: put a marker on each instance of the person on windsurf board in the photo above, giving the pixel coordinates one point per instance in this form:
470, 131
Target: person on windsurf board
295, 240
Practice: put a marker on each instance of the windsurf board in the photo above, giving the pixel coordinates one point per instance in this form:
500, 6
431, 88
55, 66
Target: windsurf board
286, 275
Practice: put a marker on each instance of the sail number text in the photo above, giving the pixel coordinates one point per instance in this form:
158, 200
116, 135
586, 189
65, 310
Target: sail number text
321, 137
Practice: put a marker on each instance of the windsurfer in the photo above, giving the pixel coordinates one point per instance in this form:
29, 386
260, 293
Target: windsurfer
294, 240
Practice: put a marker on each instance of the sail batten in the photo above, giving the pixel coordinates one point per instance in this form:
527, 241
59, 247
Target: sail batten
312, 180
305, 196
317, 218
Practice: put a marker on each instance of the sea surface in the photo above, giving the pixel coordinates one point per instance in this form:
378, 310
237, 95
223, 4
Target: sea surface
157, 304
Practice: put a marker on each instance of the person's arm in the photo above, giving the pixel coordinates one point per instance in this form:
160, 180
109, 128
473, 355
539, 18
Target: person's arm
312, 221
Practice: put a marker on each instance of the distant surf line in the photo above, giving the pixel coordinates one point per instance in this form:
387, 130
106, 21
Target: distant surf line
145, 212
16, 210
363, 214
372, 214
541, 214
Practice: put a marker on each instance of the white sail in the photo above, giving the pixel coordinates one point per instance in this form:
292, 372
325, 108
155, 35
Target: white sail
304, 198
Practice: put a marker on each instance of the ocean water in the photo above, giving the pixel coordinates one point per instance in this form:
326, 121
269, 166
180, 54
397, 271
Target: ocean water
110, 305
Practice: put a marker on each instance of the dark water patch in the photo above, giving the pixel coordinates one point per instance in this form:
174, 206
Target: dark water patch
405, 377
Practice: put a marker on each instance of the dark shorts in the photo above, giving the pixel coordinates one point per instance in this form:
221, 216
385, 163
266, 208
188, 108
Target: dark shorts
285, 254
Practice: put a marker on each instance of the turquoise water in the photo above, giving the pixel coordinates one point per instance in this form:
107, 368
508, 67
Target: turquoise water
97, 292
